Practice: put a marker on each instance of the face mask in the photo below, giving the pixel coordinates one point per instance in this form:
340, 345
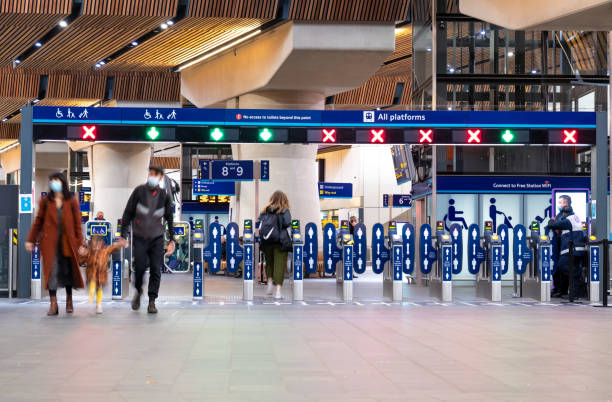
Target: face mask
56, 186
153, 181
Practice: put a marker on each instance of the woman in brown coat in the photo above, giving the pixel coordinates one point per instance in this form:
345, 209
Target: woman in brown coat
57, 227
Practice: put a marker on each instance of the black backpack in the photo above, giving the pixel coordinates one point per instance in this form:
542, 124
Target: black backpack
269, 229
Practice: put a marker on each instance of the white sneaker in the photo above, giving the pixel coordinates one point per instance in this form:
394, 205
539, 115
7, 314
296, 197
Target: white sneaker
98, 308
270, 288
277, 294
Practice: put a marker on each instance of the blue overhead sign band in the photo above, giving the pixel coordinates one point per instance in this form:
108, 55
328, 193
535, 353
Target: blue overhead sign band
335, 190
310, 118
508, 184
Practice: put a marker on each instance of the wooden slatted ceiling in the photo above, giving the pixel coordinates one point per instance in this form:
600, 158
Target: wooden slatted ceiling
9, 131
186, 39
103, 28
18, 84
140, 86
23, 22
261, 9
349, 10
403, 43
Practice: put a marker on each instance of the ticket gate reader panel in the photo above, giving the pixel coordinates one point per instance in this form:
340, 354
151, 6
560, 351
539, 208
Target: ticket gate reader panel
594, 271
311, 248
535, 280
344, 272
488, 280
248, 241
180, 260
441, 285
120, 275
297, 261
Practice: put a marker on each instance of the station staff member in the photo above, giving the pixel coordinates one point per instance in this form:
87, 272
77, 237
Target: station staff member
570, 226
145, 209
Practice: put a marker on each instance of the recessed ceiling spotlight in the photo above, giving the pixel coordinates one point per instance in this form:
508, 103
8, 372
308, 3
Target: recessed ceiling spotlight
134, 43
38, 44
63, 24
164, 26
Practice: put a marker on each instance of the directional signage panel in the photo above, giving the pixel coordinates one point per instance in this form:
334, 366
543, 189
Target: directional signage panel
347, 262
521, 253
234, 251
198, 288
264, 167
456, 233
475, 252
36, 262
331, 252
502, 231
496, 259
397, 262
230, 170
298, 262
447, 262
408, 241
594, 263
427, 252
207, 187
248, 262
545, 259
360, 247
212, 253
380, 253
117, 273
311, 248
402, 200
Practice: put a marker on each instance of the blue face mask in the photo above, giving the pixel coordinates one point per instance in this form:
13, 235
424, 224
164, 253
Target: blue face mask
56, 186
153, 181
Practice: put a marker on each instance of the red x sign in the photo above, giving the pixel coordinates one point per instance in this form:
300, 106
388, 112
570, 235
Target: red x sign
329, 135
474, 136
426, 135
88, 133
569, 136
377, 136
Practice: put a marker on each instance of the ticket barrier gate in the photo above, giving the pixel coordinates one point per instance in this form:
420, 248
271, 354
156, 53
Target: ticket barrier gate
297, 261
488, 278
594, 253
120, 267
441, 284
180, 260
248, 241
392, 275
344, 252
197, 262
535, 280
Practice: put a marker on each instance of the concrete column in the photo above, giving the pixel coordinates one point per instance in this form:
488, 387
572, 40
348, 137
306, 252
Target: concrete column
293, 168
115, 170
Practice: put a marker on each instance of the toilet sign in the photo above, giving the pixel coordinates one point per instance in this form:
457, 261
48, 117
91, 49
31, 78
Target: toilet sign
360, 248
311, 248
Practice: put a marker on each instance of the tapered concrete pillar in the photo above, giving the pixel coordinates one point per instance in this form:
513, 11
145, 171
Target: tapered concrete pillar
293, 168
115, 170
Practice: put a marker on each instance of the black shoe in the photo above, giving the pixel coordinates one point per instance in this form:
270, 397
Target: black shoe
136, 301
152, 309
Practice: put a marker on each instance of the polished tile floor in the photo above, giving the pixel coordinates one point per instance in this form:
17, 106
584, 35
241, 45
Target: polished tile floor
319, 350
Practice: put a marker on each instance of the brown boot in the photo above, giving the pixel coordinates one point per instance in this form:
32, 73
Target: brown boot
69, 307
53, 308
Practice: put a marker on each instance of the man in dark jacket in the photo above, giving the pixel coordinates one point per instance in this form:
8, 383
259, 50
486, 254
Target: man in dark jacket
572, 235
145, 209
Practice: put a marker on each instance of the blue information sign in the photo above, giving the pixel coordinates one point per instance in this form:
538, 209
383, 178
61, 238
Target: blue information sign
36, 262
264, 170
117, 273
408, 240
447, 255
347, 262
456, 233
311, 248
594, 259
385, 200
234, 251
397, 262
230, 170
197, 280
545, 258
427, 252
207, 187
502, 231
360, 239
508, 184
402, 200
521, 253
475, 252
212, 253
335, 190
248, 262
331, 252
99, 228
204, 169
298, 262
380, 253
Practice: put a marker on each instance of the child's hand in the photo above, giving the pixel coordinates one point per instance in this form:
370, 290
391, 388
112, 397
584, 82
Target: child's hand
82, 251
